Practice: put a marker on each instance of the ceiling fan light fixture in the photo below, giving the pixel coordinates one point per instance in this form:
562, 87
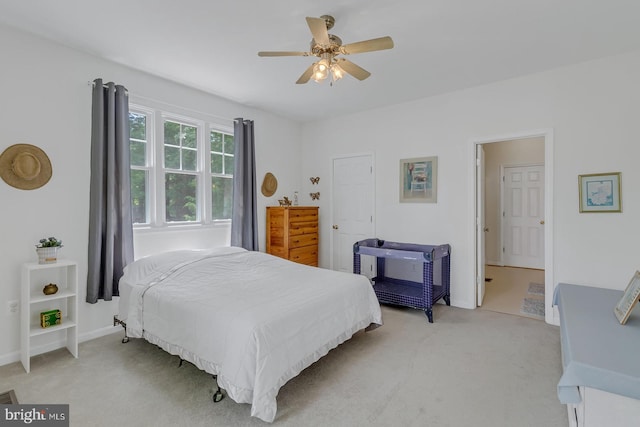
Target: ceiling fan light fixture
320, 70
326, 47
336, 72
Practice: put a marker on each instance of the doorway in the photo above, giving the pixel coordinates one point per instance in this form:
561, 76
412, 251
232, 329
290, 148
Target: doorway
352, 209
504, 245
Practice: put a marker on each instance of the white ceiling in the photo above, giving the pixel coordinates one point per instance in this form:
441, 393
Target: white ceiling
440, 45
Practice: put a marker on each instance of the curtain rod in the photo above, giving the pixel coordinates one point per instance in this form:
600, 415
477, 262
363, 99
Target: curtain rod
92, 84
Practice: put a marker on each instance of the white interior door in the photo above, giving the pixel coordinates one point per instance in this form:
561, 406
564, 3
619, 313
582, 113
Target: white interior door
480, 224
523, 216
353, 204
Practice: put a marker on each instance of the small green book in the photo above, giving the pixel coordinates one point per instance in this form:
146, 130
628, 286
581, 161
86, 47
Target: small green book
50, 318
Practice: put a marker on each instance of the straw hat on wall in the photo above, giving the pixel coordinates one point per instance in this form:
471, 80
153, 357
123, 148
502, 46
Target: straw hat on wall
269, 185
25, 167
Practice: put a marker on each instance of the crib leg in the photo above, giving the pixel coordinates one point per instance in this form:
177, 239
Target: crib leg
429, 313
447, 299
180, 364
217, 396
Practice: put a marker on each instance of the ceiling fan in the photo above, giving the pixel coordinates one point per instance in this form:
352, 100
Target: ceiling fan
327, 47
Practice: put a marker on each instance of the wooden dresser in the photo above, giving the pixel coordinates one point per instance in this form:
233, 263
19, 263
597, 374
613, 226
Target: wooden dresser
292, 233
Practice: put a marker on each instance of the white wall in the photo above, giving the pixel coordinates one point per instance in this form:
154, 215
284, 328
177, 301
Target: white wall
45, 101
593, 110
591, 107
497, 154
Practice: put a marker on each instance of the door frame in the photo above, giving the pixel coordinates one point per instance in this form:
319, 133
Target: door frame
551, 313
502, 198
332, 201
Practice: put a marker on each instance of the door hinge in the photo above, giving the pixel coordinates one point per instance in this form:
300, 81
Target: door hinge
503, 249
477, 162
502, 178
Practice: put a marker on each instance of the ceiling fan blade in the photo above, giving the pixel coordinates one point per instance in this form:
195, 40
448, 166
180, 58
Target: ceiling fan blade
284, 53
304, 78
353, 69
318, 29
381, 43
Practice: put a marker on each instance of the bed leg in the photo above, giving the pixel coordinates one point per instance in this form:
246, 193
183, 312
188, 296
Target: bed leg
116, 322
217, 395
180, 364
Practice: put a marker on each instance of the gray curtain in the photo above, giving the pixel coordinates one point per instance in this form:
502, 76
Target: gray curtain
110, 225
244, 218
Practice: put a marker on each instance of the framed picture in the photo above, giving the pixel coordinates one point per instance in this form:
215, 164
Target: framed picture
418, 180
600, 192
629, 299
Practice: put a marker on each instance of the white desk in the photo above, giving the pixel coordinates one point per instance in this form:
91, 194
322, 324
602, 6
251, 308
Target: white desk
600, 358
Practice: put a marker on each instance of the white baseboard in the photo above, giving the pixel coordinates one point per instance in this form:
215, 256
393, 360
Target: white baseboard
45, 348
108, 330
5, 359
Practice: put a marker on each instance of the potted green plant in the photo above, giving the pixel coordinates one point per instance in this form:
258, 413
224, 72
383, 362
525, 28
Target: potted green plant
47, 250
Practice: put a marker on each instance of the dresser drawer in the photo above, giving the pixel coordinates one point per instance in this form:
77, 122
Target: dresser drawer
296, 241
305, 255
303, 215
298, 228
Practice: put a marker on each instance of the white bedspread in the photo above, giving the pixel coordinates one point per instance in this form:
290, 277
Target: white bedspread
253, 319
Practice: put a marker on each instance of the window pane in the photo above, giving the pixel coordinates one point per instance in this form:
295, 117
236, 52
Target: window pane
216, 163
216, 142
221, 197
138, 126
180, 203
139, 196
137, 139
228, 165
190, 136
171, 157
228, 144
171, 133
138, 153
189, 160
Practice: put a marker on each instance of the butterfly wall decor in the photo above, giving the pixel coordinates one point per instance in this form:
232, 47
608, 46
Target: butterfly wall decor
315, 196
315, 179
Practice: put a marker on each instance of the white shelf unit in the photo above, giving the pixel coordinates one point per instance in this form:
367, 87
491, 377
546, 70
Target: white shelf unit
64, 274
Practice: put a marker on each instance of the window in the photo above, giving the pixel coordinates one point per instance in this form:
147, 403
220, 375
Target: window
178, 175
180, 171
221, 174
138, 122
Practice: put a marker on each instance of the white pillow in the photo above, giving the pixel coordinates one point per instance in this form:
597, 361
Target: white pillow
153, 267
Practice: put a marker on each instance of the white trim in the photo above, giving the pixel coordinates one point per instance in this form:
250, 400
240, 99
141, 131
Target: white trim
551, 313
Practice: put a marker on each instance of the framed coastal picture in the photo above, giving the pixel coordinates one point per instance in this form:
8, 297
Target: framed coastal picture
419, 180
629, 299
600, 192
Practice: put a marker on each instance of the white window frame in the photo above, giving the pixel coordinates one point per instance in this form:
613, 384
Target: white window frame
156, 195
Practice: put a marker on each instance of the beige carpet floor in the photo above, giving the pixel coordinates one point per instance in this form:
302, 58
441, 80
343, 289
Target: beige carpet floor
508, 288
469, 368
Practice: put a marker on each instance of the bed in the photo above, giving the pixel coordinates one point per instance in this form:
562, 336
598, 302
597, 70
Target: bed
253, 320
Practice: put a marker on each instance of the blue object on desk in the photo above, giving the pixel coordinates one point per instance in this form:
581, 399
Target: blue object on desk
597, 351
